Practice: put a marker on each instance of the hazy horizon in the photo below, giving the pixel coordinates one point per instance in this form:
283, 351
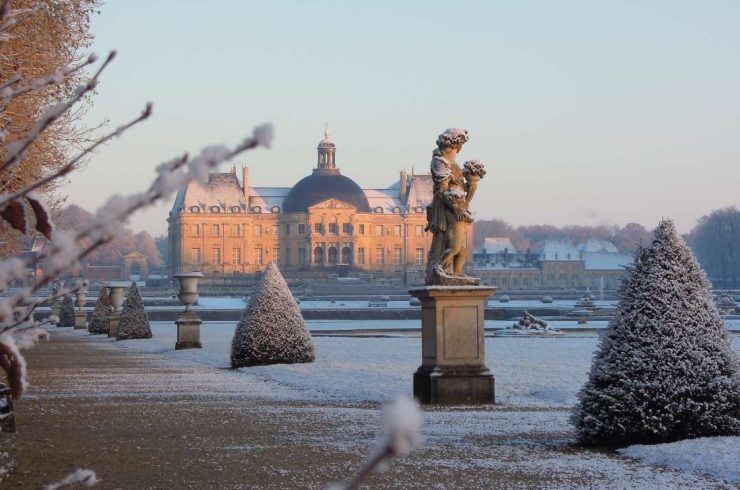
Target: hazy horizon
583, 113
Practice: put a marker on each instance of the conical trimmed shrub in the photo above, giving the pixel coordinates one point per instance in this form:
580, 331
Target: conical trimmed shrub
99, 320
134, 323
665, 369
272, 329
67, 312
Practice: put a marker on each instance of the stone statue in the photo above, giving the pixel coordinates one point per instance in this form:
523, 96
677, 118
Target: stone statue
449, 214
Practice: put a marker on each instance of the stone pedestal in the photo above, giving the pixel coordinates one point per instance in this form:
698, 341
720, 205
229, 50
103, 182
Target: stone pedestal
80, 320
188, 331
113, 324
453, 369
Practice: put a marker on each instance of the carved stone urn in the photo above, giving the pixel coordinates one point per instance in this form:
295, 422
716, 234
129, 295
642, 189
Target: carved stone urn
188, 323
116, 299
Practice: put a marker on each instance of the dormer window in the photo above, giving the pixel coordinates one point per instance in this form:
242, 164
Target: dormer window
236, 209
275, 209
396, 210
195, 209
215, 209
256, 209
378, 209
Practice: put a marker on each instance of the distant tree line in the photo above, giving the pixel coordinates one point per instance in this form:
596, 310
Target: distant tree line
715, 240
533, 237
74, 217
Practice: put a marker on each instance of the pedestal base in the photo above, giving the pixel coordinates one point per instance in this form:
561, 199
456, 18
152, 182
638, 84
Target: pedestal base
80, 320
188, 331
453, 370
113, 324
454, 386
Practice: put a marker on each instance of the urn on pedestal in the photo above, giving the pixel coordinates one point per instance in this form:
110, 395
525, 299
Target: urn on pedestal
80, 315
116, 299
188, 323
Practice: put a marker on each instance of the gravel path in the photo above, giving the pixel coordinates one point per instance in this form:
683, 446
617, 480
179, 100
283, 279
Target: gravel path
140, 423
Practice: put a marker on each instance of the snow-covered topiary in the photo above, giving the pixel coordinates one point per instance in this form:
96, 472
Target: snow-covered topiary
99, 320
272, 329
134, 323
665, 369
67, 313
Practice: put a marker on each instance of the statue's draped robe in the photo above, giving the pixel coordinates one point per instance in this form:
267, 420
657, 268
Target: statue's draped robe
446, 175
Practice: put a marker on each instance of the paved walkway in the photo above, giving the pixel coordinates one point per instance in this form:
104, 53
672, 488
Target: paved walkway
139, 423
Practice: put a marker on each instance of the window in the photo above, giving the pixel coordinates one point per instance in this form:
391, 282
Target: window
258, 256
287, 230
195, 255
276, 255
318, 228
236, 230
420, 256
397, 230
301, 229
419, 230
236, 256
257, 230
362, 229
361, 255
195, 230
379, 258
346, 228
397, 255
276, 230
287, 256
216, 255
301, 256
378, 230
333, 228
216, 230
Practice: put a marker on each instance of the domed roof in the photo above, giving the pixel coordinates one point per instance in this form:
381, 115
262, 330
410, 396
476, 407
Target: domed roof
319, 187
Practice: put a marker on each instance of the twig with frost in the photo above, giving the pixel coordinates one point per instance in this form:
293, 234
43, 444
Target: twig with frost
402, 422
83, 478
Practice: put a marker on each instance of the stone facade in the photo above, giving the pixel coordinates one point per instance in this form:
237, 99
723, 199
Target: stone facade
559, 265
325, 223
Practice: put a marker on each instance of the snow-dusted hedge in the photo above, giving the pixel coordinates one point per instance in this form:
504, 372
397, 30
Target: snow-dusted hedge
67, 312
99, 320
134, 323
272, 329
665, 369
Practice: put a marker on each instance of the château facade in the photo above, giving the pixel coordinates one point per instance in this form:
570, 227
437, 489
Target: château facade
324, 223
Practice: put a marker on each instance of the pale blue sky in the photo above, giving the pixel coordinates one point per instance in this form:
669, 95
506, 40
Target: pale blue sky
584, 112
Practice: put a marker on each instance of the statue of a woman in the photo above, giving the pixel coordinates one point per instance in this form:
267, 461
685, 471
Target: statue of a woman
448, 215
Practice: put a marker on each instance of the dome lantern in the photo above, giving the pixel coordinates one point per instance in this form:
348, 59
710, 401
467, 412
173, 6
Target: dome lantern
326, 151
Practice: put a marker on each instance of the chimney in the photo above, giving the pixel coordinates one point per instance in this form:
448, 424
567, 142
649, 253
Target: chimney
245, 183
404, 186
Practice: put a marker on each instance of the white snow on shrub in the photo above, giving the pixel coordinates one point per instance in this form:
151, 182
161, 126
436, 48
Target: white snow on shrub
272, 329
99, 319
715, 456
134, 323
665, 369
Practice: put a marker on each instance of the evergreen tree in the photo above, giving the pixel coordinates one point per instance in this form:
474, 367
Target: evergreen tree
67, 313
272, 329
99, 320
134, 323
665, 369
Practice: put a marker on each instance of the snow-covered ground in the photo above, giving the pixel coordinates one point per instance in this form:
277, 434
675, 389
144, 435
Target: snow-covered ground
536, 384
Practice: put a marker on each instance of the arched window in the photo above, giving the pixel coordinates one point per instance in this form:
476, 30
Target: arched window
275, 209
236, 209
333, 255
195, 209
396, 210
318, 256
215, 209
378, 209
256, 209
346, 255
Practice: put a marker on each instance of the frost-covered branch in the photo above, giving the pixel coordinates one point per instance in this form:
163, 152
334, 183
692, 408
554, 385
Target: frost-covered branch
402, 422
16, 149
83, 478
